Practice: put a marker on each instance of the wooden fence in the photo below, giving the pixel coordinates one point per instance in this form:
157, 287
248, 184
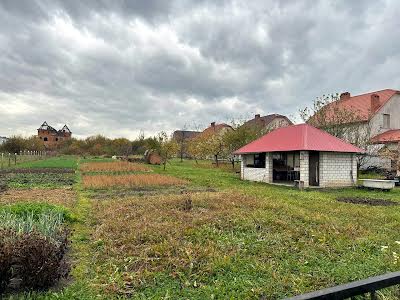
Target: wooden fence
8, 160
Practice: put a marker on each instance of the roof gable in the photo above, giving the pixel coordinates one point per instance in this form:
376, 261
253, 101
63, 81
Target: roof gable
297, 138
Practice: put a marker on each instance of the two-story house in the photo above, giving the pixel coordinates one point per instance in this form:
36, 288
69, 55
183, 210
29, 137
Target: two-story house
377, 114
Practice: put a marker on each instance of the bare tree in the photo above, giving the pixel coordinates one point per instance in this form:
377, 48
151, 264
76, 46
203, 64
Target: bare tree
344, 122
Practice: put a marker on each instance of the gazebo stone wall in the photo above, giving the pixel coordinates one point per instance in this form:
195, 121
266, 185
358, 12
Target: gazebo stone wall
257, 174
337, 169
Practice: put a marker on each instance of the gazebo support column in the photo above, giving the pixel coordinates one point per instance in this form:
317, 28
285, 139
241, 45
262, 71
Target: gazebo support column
304, 168
269, 167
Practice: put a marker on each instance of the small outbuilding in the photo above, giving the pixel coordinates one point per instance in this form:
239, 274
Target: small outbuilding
300, 154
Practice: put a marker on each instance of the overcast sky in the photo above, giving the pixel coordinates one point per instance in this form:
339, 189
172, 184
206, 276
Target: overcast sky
118, 67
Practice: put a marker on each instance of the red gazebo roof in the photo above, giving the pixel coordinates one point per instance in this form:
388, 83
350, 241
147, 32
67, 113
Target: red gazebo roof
297, 138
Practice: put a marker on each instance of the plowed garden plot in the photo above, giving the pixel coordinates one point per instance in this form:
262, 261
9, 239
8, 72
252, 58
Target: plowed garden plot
37, 170
40, 180
64, 197
130, 180
367, 201
118, 166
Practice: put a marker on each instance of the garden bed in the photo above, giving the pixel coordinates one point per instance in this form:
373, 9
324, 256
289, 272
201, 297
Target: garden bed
130, 180
367, 201
37, 170
117, 166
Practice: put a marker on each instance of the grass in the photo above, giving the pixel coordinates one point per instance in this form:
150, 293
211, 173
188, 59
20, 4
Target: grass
65, 161
117, 166
245, 241
130, 180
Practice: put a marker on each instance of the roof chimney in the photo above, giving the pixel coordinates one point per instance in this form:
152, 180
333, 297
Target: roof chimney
257, 116
213, 124
374, 102
344, 96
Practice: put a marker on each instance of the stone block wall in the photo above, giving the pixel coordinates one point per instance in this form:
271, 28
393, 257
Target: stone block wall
337, 169
257, 174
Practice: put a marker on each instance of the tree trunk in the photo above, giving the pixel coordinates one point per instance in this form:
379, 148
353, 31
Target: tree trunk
216, 160
165, 163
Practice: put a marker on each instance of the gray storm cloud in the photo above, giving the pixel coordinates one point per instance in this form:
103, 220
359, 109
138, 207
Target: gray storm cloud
118, 67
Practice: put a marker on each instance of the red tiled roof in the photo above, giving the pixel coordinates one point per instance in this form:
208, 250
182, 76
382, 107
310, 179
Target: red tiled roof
296, 138
390, 136
361, 104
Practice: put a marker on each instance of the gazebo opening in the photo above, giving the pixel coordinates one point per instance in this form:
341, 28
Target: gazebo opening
286, 167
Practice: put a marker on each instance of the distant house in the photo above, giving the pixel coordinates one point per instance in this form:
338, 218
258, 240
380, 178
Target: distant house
182, 137
269, 122
376, 113
300, 153
215, 128
3, 139
52, 137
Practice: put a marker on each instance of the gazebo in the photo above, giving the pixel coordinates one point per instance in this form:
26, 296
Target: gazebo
300, 154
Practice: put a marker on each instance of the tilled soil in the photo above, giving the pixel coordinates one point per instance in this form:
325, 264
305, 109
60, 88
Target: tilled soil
367, 201
65, 197
37, 170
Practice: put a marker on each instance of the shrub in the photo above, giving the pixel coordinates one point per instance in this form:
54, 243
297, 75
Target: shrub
31, 260
33, 246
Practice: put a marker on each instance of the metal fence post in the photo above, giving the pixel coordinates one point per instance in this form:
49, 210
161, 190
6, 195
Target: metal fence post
9, 159
15, 158
2, 159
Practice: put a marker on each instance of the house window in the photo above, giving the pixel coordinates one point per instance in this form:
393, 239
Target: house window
386, 121
45, 139
40, 137
56, 139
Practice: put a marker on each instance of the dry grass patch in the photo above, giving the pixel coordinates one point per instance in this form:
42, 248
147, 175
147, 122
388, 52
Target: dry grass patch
130, 180
64, 197
117, 166
159, 233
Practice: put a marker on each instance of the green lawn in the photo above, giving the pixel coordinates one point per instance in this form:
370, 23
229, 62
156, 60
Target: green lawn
241, 240
52, 162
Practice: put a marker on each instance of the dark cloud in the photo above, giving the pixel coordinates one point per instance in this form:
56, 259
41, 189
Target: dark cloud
118, 67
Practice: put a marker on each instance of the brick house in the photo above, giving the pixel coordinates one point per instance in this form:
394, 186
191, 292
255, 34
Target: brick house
52, 137
300, 153
377, 114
